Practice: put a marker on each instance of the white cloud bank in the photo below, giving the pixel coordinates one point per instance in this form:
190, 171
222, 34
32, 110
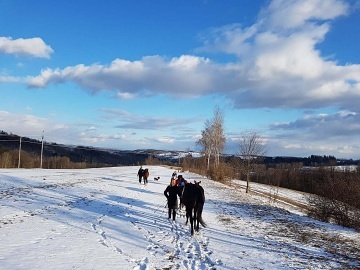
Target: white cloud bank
184, 76
278, 67
98, 135
35, 47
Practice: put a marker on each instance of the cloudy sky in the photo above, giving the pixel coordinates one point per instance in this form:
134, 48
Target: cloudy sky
148, 74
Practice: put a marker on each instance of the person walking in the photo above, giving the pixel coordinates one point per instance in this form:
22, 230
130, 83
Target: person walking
171, 193
140, 174
173, 180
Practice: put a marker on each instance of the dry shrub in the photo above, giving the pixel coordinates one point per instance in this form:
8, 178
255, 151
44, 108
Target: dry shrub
337, 200
222, 173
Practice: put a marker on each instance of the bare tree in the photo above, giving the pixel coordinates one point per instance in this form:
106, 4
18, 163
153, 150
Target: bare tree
212, 137
251, 148
206, 142
218, 134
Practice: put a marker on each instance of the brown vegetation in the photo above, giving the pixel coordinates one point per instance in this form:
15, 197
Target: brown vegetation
336, 194
14, 159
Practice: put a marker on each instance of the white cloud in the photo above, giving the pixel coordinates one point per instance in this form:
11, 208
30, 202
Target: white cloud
342, 123
91, 128
166, 140
278, 66
6, 79
145, 122
230, 39
31, 126
323, 133
35, 47
287, 14
290, 56
125, 95
187, 62
183, 76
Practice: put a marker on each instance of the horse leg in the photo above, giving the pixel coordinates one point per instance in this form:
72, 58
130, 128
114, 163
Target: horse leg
199, 216
196, 223
169, 213
190, 215
187, 213
192, 225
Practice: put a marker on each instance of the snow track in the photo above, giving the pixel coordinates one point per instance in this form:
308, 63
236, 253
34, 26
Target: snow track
104, 219
169, 246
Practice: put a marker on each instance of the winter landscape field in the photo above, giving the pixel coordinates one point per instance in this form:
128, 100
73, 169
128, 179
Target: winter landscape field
104, 219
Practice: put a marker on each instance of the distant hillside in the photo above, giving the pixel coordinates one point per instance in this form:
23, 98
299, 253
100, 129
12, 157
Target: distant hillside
89, 155
112, 157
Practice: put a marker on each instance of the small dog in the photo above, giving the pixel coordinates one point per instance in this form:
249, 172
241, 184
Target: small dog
156, 178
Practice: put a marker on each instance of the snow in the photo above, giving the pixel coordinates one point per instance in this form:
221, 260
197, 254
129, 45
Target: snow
104, 219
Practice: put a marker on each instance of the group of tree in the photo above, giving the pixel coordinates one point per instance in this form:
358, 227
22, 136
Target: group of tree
334, 195
212, 142
23, 159
212, 138
23, 152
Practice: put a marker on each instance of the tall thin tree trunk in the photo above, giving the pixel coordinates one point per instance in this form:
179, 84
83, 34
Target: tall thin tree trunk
208, 162
248, 170
248, 182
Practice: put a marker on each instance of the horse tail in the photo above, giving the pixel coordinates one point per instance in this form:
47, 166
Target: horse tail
199, 215
202, 222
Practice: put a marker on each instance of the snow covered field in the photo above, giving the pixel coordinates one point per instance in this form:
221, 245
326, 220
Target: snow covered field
104, 219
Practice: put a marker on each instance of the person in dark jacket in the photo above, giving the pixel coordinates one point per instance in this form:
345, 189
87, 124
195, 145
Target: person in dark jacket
171, 193
140, 174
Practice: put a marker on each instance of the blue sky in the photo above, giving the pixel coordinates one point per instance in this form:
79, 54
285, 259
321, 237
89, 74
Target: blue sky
148, 74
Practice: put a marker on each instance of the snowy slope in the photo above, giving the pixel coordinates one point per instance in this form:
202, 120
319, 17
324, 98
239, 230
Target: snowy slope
104, 219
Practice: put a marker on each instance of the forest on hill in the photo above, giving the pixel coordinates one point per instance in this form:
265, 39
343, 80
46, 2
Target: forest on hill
53, 154
323, 176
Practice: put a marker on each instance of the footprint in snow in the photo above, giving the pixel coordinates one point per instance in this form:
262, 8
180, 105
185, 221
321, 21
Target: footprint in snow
142, 265
119, 250
102, 233
102, 241
93, 226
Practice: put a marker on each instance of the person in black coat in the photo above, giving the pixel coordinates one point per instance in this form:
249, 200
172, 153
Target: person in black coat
171, 193
140, 174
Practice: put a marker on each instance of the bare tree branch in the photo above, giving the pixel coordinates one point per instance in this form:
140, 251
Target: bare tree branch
212, 137
251, 148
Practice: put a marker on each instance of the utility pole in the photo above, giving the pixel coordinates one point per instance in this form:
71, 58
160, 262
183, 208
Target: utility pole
19, 154
42, 149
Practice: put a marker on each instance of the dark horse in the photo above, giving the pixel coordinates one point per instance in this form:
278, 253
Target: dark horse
193, 197
143, 174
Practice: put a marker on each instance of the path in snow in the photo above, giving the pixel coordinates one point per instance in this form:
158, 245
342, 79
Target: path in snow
104, 219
